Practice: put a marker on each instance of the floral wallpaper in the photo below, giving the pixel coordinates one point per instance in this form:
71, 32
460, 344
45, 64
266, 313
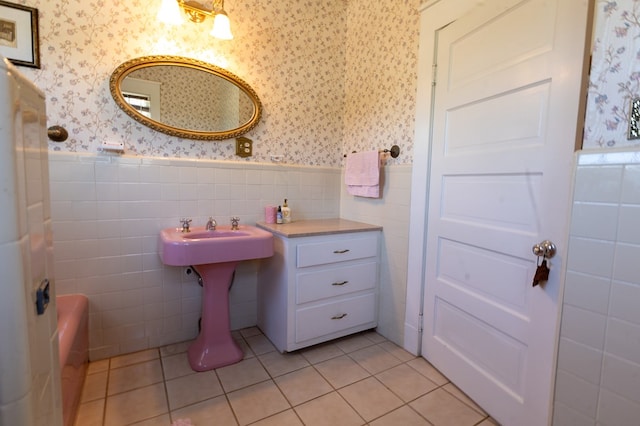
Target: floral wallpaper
333, 76
615, 74
381, 76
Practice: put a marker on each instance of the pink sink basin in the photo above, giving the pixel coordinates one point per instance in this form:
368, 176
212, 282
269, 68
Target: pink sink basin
200, 247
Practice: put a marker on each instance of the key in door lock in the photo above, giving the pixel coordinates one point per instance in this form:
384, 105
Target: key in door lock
546, 249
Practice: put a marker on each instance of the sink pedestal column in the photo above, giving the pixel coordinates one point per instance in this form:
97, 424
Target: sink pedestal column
214, 347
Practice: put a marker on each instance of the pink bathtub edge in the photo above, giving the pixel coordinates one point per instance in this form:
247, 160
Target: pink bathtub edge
73, 337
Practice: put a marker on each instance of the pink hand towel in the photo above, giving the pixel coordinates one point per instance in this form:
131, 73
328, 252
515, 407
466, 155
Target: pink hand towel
362, 174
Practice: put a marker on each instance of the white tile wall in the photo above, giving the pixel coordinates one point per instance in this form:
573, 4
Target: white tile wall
108, 210
391, 211
614, 409
598, 380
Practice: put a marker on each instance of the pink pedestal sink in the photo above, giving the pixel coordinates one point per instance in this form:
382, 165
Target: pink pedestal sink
214, 255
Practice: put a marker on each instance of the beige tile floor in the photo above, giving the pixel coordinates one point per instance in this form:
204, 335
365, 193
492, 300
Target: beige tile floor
357, 380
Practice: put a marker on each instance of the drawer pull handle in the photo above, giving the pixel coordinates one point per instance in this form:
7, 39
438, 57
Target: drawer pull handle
340, 283
337, 317
340, 251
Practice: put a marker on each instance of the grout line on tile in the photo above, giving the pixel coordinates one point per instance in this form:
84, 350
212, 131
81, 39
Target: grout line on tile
106, 394
164, 383
352, 407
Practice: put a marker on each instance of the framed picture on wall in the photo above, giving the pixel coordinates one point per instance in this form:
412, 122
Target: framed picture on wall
19, 34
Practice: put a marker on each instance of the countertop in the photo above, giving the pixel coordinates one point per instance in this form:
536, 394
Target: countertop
306, 228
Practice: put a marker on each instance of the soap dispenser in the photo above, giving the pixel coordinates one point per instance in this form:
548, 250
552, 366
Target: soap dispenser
286, 212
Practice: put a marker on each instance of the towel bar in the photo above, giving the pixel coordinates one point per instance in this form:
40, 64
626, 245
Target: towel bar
394, 151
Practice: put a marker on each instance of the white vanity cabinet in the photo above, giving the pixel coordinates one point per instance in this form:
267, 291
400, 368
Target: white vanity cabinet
320, 284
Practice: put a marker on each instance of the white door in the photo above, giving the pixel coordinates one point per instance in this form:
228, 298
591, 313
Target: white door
505, 114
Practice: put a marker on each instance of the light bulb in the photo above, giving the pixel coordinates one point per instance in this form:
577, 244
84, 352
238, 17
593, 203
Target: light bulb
169, 13
221, 26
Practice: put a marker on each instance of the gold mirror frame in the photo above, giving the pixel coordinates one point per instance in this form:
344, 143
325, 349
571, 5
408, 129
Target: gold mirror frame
128, 67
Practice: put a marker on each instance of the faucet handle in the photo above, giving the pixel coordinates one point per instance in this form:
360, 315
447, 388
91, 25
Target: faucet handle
235, 220
185, 222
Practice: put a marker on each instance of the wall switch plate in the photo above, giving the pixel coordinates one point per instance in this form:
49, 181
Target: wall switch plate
244, 147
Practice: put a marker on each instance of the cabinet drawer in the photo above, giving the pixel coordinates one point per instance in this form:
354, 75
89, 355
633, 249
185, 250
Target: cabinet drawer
336, 282
337, 251
332, 317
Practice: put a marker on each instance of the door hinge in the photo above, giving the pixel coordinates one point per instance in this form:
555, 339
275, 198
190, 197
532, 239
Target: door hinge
434, 72
420, 327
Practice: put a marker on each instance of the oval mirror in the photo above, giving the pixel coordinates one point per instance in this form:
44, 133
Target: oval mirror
185, 97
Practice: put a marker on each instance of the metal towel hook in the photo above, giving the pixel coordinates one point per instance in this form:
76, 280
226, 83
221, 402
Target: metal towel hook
57, 133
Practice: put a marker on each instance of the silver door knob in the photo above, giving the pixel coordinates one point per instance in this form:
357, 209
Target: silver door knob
544, 249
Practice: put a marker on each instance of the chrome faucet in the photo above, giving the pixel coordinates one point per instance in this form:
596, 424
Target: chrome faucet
234, 223
211, 224
185, 224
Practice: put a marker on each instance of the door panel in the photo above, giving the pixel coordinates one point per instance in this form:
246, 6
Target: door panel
505, 113
508, 28
493, 353
480, 125
506, 201
470, 269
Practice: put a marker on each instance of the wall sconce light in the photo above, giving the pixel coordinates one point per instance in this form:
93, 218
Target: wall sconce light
197, 11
